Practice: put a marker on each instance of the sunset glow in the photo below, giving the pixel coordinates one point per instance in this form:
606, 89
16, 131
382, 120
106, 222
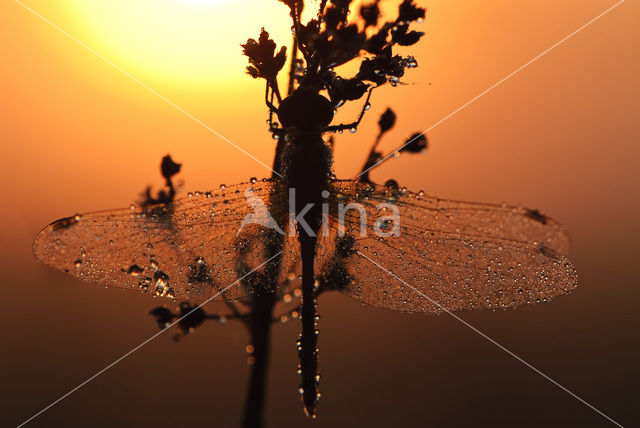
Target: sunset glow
531, 103
190, 41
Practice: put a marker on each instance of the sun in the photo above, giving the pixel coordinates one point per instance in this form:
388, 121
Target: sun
204, 2
186, 42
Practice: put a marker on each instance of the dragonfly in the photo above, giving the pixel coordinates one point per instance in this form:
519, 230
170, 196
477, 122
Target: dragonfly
455, 255
382, 245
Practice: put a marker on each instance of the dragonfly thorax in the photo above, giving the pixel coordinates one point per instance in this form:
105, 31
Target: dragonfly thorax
308, 168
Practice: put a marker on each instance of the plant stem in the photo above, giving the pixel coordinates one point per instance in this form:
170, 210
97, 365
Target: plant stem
260, 336
259, 324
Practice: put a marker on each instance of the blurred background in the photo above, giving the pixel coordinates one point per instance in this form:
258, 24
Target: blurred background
561, 136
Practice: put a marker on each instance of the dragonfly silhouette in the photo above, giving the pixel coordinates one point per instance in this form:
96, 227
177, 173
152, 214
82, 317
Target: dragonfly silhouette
313, 231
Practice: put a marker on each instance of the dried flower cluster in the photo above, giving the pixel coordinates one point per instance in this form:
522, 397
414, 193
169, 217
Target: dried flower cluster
333, 38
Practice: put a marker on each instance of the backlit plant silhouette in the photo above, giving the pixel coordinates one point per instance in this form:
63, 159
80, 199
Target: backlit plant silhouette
453, 255
314, 93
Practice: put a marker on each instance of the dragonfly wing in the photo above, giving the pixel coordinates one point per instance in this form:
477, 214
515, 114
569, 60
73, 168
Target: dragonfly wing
445, 255
191, 249
496, 221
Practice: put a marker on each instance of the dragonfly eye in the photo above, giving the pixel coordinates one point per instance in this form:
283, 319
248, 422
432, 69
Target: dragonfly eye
305, 111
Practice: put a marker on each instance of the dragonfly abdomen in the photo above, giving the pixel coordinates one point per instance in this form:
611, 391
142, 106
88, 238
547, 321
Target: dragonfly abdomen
308, 172
308, 341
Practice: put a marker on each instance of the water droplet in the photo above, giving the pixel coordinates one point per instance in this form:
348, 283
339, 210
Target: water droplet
367, 106
145, 283
276, 137
161, 279
78, 263
222, 187
134, 270
353, 130
77, 217
253, 180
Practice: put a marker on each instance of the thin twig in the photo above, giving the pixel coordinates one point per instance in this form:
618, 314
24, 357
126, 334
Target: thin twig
292, 69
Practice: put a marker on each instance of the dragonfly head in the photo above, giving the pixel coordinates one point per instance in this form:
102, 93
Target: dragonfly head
305, 110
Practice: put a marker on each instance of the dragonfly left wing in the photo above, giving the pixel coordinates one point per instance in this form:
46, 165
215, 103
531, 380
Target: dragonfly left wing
190, 249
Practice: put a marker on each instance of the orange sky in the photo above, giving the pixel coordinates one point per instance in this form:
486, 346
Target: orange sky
561, 136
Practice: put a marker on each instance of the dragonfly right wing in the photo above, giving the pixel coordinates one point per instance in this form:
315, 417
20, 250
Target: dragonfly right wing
447, 255
419, 211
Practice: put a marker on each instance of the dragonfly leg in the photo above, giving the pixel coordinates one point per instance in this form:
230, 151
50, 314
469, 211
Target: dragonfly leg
353, 125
